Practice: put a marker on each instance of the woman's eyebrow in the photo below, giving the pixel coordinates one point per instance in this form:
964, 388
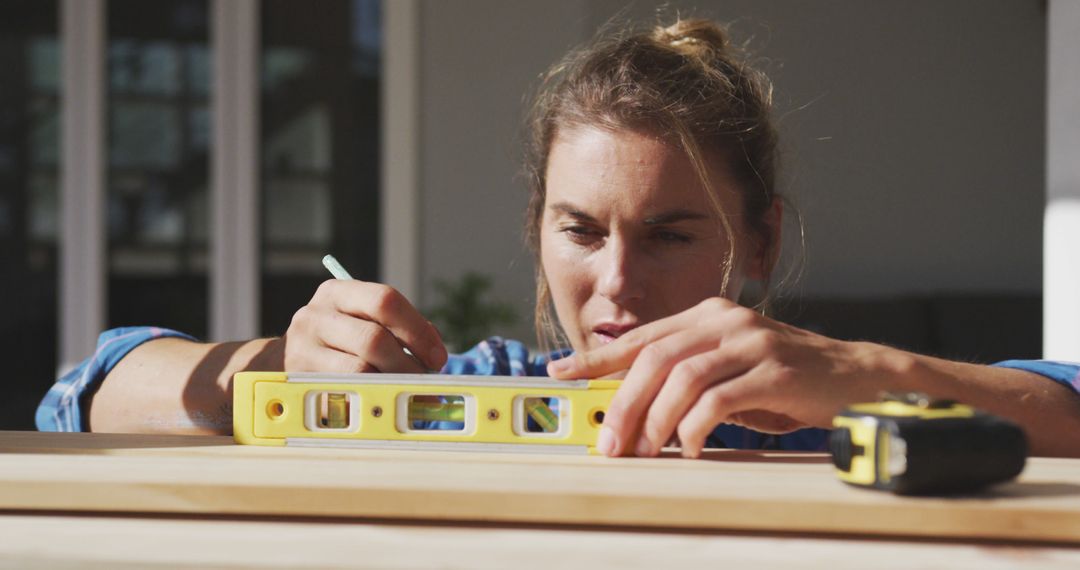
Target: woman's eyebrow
669, 217
674, 216
570, 210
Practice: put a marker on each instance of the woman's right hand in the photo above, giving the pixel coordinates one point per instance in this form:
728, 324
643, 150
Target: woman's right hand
355, 326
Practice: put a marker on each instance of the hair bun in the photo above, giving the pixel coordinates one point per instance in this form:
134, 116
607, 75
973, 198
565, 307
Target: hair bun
693, 36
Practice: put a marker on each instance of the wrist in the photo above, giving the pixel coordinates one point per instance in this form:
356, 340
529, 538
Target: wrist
269, 355
261, 355
890, 370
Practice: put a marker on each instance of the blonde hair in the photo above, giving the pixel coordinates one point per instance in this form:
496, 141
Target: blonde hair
683, 82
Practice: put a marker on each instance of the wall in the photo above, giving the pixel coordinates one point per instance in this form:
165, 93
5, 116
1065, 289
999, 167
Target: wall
1061, 269
914, 136
478, 60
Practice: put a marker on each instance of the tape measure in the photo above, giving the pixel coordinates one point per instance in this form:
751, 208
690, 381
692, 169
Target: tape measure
420, 411
911, 444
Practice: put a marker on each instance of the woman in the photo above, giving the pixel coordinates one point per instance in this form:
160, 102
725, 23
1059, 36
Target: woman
653, 201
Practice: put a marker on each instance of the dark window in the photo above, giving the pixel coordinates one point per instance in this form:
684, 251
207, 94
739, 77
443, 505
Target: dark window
158, 139
319, 148
29, 216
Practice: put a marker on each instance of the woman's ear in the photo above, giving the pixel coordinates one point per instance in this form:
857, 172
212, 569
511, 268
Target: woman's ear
767, 254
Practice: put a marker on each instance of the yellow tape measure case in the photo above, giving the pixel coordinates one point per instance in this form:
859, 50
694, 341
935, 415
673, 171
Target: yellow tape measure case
914, 445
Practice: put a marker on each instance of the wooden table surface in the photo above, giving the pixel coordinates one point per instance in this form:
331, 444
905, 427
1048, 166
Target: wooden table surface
138, 501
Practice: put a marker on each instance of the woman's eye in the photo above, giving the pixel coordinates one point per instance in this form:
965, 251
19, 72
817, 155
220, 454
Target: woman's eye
672, 237
581, 234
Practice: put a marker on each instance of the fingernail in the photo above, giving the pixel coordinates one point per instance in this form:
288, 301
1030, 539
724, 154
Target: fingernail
559, 366
643, 448
436, 329
607, 442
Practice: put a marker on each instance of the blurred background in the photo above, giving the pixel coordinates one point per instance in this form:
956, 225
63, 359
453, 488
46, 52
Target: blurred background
387, 133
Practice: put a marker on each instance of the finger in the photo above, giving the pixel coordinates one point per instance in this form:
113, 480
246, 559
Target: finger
620, 353
716, 405
323, 359
723, 315
766, 422
688, 380
389, 308
366, 340
637, 391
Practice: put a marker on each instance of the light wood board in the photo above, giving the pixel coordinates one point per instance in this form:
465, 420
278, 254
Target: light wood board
747, 491
55, 542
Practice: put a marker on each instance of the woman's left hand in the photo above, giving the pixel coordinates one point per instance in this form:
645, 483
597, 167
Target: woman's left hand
719, 362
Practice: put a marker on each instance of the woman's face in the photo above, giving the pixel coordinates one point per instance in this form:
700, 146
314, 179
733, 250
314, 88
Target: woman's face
629, 236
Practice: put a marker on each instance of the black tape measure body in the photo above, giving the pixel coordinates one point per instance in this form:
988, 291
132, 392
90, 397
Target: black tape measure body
912, 445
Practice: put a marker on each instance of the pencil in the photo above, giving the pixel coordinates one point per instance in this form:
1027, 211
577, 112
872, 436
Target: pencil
334, 267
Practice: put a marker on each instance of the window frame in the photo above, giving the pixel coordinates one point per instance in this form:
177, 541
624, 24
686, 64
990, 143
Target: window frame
234, 168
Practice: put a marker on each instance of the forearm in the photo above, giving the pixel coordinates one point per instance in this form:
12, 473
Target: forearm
177, 386
1048, 411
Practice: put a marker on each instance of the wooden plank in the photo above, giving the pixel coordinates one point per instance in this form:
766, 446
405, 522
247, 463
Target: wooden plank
53, 542
750, 491
210, 446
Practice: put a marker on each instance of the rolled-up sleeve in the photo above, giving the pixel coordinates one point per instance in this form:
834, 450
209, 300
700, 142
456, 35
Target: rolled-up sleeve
1066, 373
62, 408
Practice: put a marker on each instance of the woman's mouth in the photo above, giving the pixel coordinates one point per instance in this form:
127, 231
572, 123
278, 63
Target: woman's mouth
608, 332
604, 337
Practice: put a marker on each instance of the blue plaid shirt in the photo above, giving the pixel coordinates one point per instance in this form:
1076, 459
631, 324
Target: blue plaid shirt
63, 407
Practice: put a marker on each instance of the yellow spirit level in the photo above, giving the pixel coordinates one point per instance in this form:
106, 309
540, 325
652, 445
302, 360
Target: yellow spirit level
420, 411
910, 444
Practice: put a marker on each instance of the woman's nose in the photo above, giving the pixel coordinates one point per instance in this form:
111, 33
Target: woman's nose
620, 273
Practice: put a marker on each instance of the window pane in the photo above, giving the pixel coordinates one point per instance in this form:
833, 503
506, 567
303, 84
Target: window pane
145, 136
158, 78
29, 157
319, 147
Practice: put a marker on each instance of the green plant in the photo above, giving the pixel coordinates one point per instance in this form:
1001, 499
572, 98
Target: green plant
464, 314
